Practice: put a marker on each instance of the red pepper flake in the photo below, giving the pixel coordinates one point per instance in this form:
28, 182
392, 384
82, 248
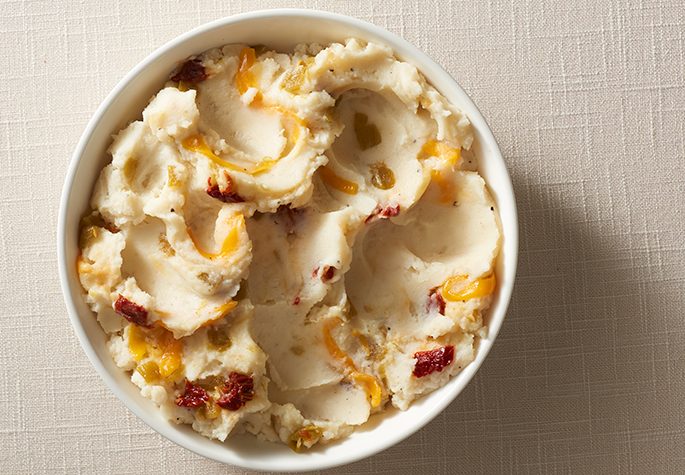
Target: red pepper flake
192, 72
383, 211
237, 390
194, 396
430, 361
328, 273
297, 301
226, 195
132, 312
436, 302
325, 273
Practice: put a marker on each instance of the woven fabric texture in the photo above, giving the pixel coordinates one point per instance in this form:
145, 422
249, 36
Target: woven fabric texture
587, 101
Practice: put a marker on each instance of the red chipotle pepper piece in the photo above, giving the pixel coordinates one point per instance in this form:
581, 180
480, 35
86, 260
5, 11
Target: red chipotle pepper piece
436, 302
194, 396
325, 273
328, 273
132, 312
383, 211
237, 390
227, 195
430, 361
192, 72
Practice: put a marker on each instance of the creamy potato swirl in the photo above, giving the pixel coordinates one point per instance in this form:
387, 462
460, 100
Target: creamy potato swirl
286, 244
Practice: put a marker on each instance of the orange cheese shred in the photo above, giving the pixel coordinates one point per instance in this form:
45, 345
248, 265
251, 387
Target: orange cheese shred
231, 242
365, 381
454, 289
334, 181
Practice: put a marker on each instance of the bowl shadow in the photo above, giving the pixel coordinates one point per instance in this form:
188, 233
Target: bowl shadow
579, 378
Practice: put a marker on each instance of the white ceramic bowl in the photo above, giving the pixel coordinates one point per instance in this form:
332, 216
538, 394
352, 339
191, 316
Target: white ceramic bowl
280, 30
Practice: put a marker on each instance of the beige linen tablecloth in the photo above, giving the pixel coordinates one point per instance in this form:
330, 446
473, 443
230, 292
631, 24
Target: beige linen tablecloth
586, 99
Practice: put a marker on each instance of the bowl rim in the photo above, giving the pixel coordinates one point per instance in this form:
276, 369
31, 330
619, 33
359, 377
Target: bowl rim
510, 240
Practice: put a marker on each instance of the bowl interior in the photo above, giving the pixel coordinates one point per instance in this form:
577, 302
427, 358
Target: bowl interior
280, 30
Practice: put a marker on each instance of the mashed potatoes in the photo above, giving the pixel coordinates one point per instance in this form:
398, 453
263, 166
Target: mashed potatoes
286, 244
